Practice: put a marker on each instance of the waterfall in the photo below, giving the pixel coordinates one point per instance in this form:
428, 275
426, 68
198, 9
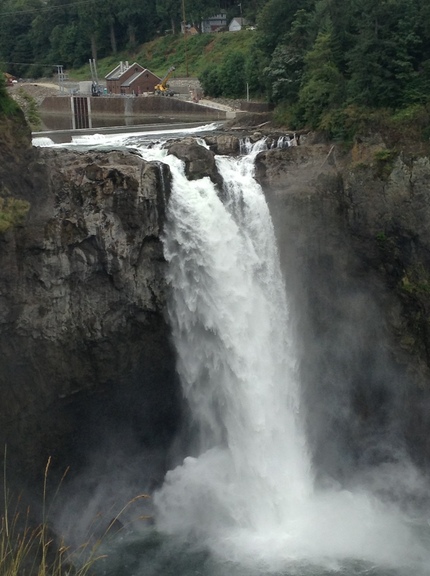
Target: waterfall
246, 491
229, 319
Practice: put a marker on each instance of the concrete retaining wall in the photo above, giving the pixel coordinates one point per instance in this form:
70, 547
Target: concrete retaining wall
56, 105
135, 106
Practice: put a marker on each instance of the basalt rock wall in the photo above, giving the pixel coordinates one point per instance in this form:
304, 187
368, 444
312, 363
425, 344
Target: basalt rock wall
85, 347
355, 247
86, 350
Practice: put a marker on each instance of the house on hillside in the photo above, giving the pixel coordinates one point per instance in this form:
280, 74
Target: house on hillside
130, 79
237, 24
189, 29
213, 23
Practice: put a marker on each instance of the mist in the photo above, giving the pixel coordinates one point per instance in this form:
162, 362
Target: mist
296, 452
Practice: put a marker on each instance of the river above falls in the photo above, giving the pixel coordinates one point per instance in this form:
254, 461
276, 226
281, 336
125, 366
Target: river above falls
109, 126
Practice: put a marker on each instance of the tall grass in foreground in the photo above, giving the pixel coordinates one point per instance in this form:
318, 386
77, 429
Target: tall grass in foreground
29, 550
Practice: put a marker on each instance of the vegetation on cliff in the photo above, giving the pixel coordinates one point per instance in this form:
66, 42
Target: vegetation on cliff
8, 107
29, 106
12, 212
30, 547
14, 135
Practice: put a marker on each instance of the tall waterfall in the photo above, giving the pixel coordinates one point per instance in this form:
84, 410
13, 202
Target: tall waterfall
247, 491
229, 319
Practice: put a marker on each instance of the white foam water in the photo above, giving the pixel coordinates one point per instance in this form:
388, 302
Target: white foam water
130, 139
42, 142
248, 491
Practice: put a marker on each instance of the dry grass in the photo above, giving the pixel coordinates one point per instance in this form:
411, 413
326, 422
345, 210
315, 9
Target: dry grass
28, 550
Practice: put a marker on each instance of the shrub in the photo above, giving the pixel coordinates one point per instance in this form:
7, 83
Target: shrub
12, 212
8, 107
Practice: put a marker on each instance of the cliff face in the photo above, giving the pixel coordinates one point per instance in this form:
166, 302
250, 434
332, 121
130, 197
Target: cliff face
85, 346
355, 246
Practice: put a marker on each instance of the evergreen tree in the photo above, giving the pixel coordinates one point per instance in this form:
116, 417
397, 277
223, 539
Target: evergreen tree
382, 63
286, 66
323, 84
170, 12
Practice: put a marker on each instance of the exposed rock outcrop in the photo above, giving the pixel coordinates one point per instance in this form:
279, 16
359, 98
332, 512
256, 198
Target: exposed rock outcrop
82, 296
199, 161
356, 247
85, 345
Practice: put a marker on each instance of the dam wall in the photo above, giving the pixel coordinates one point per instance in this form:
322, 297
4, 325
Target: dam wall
131, 106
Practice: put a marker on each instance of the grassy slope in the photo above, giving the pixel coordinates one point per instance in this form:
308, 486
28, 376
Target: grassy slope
14, 139
198, 51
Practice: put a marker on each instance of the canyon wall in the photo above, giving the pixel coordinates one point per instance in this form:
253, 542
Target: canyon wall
355, 246
84, 340
86, 351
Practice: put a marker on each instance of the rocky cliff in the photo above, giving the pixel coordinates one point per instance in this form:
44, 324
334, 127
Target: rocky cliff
355, 244
85, 346
84, 341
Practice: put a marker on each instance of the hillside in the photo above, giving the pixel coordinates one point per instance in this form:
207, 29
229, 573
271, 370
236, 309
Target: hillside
326, 66
192, 54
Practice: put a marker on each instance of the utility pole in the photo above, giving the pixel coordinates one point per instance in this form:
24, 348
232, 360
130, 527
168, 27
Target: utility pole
185, 36
61, 77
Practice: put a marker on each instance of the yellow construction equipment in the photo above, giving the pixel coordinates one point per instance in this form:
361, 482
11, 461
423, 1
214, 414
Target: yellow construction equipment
162, 89
9, 79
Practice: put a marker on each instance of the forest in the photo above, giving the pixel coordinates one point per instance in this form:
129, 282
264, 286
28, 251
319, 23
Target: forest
316, 59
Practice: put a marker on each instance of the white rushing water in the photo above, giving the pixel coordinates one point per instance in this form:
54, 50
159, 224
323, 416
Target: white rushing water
230, 324
247, 490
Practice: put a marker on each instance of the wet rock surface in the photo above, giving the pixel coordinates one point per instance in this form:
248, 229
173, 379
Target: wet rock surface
82, 309
84, 339
199, 161
355, 247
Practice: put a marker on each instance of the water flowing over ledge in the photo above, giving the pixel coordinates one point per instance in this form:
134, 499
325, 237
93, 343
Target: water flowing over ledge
247, 490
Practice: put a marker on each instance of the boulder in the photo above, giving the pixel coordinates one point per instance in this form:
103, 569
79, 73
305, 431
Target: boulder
199, 161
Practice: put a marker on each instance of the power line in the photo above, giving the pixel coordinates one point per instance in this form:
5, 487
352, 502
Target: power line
49, 8
29, 64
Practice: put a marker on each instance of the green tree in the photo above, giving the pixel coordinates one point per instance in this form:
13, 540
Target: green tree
170, 12
323, 84
256, 62
15, 24
140, 20
275, 19
385, 58
210, 82
68, 46
232, 76
285, 71
197, 10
